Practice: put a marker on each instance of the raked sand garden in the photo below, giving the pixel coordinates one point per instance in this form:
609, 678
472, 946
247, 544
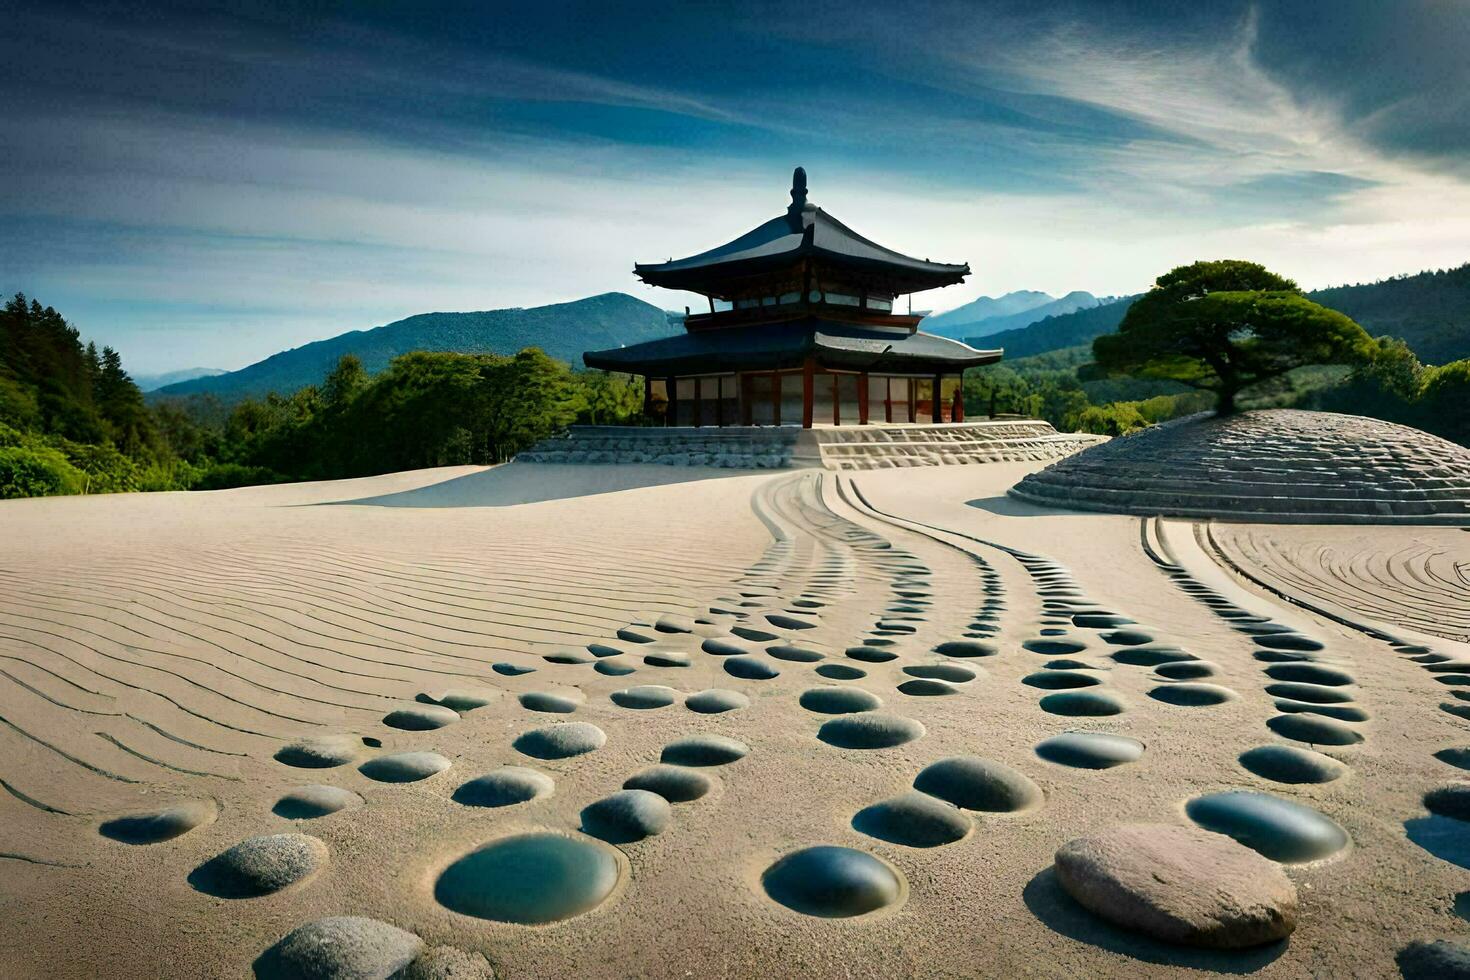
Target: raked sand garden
573, 721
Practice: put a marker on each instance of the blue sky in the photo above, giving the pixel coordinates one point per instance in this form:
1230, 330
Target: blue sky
208, 184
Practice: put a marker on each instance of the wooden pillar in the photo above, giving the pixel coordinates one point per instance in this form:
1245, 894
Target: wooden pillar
673, 410
959, 401
808, 391
863, 398
647, 396
935, 402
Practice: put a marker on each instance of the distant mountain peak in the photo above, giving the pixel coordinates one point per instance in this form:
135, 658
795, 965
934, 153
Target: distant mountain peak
988, 315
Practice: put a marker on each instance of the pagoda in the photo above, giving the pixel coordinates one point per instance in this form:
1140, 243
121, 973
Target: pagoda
801, 330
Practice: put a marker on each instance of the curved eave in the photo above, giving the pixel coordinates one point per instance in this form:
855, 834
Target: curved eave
707, 278
784, 346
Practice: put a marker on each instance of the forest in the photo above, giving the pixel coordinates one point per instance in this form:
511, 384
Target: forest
72, 421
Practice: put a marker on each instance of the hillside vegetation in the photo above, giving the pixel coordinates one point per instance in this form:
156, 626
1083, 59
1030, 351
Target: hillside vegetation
563, 331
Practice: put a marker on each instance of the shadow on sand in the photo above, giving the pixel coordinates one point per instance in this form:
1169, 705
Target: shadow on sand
1007, 506
530, 483
1057, 910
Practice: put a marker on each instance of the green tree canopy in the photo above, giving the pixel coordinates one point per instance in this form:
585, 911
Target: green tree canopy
1224, 326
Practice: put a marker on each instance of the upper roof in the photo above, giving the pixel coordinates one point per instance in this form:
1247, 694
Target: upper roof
804, 230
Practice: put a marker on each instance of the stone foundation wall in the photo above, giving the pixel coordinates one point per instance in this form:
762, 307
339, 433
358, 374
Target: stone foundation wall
844, 448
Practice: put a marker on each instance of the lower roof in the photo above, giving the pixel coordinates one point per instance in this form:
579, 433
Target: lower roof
775, 346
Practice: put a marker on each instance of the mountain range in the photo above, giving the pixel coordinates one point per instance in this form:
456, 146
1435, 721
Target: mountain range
1430, 311
152, 382
995, 314
563, 330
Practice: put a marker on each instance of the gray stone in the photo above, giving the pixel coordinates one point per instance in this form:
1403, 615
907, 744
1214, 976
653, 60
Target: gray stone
447, 963
260, 866
342, 947
1180, 885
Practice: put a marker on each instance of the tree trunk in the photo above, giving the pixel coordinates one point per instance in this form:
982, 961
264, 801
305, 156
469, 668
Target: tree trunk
1225, 401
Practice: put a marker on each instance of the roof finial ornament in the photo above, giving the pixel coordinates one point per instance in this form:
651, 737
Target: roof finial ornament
798, 197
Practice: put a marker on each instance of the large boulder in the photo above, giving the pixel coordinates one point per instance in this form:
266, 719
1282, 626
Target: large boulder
1179, 884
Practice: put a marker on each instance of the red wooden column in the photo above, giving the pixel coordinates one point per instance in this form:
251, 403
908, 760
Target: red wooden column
808, 391
959, 401
936, 401
863, 398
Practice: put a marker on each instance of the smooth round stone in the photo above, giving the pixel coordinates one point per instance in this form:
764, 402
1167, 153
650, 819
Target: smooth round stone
1313, 730
511, 670
310, 802
1457, 757
782, 621
1127, 638
1342, 712
1187, 670
161, 825
568, 657
1098, 621
421, 717
260, 866
560, 741
1439, 960
839, 700
505, 786
551, 702
716, 701
667, 658
1192, 695
954, 673
604, 650
913, 820
1054, 647
1090, 750
404, 767
1057, 680
1083, 703
719, 646
1313, 693
966, 649
869, 730
1289, 764
1280, 829
870, 654
1180, 885
750, 669
645, 697
626, 816
973, 783
674, 783
529, 879
1289, 641
1310, 674
801, 655
1452, 800
447, 963
322, 752
841, 672
338, 948
832, 882
924, 687
1151, 656
670, 623
704, 750
613, 668
461, 700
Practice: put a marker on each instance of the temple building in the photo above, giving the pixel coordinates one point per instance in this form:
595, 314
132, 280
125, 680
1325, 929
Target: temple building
801, 330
